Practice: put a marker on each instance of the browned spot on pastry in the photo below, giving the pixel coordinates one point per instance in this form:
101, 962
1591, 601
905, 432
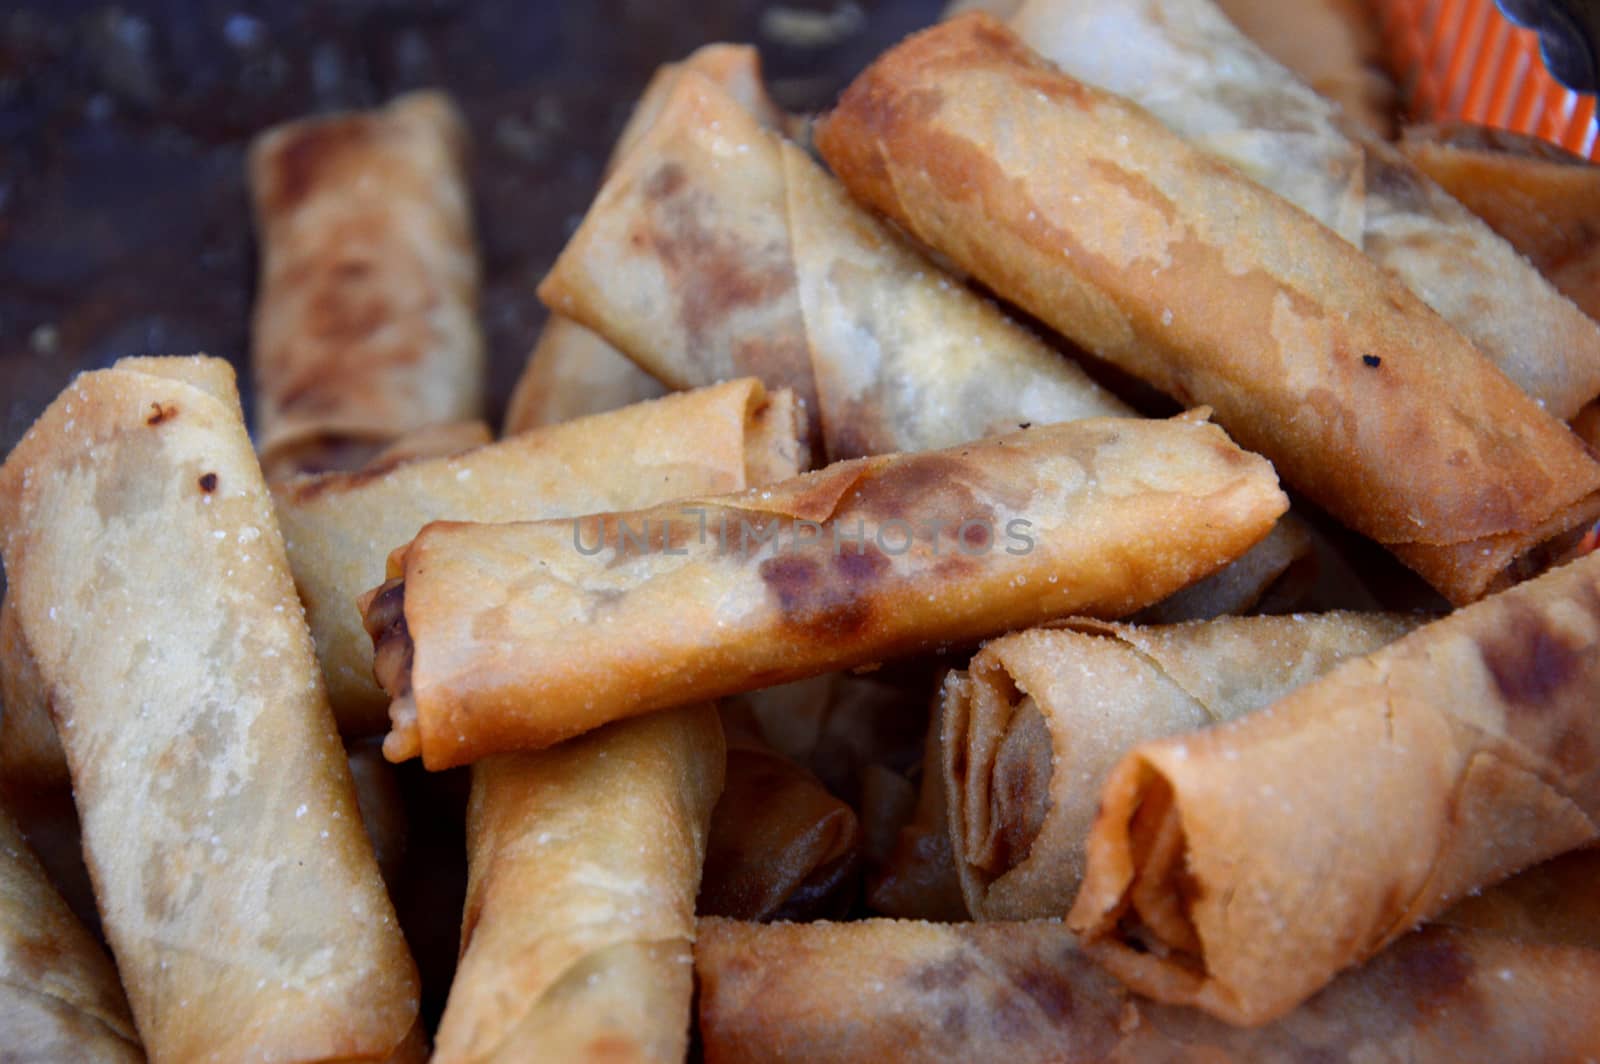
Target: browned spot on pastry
950, 974
1137, 185
296, 167
666, 182
1530, 661
208, 482
832, 601
1394, 181
161, 412
1435, 970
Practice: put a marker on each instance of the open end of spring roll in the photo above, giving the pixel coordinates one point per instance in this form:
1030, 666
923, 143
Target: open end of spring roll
740, 254
572, 371
366, 321
517, 636
1435, 766
1544, 201
1040, 718
339, 526
901, 990
1183, 61
781, 847
59, 995
1091, 215
573, 935
236, 886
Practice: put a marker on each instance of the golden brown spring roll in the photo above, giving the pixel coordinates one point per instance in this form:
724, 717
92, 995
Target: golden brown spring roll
1329, 824
573, 371
580, 898
1040, 718
366, 319
919, 880
236, 886
340, 526
1544, 201
719, 248
1088, 213
1272, 577
781, 847
59, 995
1555, 902
500, 637
1184, 62
906, 991
1335, 46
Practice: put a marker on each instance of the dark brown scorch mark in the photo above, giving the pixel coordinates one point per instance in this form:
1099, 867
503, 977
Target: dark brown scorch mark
208, 482
161, 412
295, 168
1531, 662
826, 596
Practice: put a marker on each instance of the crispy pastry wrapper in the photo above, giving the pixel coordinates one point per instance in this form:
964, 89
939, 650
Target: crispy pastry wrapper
366, 319
1335, 46
573, 371
781, 847
719, 248
908, 991
1184, 62
1544, 201
576, 939
59, 995
340, 526
1433, 767
30, 754
1040, 718
513, 636
237, 888
1090, 214
1555, 902
1271, 577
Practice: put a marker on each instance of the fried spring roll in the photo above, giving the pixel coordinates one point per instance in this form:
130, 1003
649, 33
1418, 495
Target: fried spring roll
1544, 201
30, 754
499, 637
580, 898
573, 371
1184, 62
366, 320
781, 847
339, 526
220, 826
1331, 823
905, 991
1272, 577
584, 861
719, 248
1091, 215
59, 995
1555, 902
433, 441
1040, 718
1334, 46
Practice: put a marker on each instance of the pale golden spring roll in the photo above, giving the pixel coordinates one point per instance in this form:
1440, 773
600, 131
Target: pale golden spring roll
719, 248
1184, 62
366, 317
1335, 46
781, 847
1189, 67
584, 861
1040, 718
501, 637
339, 527
908, 991
236, 886
1272, 577
573, 371
1239, 868
1091, 215
580, 899
1544, 201
59, 995
432, 441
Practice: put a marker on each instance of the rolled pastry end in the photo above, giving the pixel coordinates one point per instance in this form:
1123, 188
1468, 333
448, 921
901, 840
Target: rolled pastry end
383, 612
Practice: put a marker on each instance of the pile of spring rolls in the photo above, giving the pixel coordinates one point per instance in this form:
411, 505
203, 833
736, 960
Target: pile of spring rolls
1085, 551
